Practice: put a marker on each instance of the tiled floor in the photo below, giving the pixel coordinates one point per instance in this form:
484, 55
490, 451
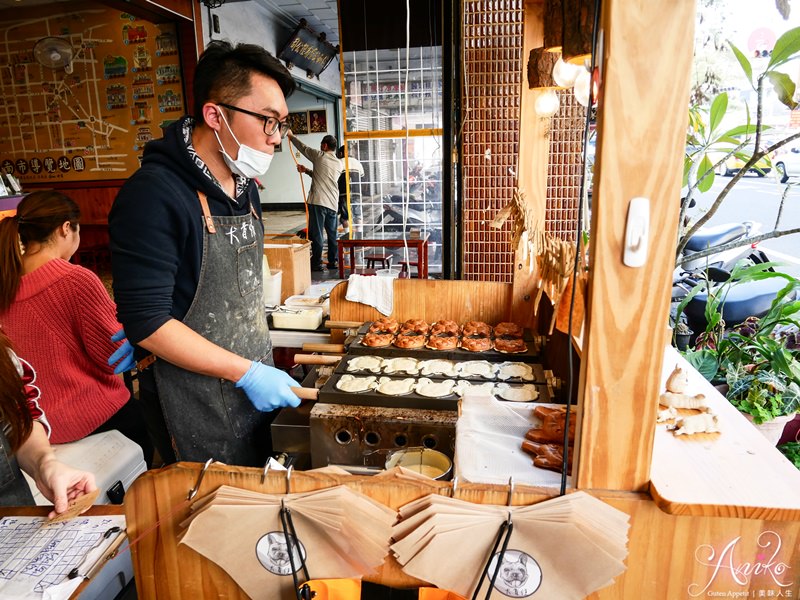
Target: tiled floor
284, 221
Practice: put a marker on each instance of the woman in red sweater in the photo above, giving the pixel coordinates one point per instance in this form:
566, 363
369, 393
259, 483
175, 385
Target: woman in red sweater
61, 318
23, 440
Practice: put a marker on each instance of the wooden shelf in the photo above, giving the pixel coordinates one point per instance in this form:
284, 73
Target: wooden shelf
736, 473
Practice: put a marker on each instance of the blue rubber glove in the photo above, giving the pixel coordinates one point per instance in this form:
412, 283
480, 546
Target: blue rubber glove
268, 387
123, 354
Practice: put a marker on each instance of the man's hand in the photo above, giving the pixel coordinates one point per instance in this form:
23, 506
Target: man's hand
301, 169
289, 134
268, 388
123, 355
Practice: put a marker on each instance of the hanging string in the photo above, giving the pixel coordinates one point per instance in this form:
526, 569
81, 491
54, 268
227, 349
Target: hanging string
180, 506
407, 183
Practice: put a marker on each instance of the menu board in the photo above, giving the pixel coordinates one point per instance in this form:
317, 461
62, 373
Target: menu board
82, 91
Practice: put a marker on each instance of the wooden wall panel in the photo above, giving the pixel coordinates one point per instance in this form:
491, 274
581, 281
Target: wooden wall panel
431, 300
533, 157
94, 198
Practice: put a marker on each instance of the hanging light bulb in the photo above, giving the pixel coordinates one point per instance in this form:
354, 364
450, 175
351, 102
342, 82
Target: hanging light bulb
547, 103
564, 74
581, 89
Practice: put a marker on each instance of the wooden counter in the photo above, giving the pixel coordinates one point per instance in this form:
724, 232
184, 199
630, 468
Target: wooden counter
735, 473
669, 556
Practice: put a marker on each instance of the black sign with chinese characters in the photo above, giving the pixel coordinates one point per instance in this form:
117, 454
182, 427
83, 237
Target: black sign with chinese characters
308, 51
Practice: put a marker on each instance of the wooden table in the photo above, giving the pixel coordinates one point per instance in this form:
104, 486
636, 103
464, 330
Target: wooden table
382, 240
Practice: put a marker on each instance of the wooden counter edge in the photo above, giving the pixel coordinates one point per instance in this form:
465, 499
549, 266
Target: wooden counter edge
764, 513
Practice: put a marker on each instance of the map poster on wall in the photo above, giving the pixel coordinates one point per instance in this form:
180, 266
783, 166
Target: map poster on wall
82, 92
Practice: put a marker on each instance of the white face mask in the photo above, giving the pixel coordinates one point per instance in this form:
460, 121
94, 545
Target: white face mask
250, 162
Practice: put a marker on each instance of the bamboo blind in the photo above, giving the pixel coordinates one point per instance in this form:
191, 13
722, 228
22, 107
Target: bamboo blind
492, 51
564, 170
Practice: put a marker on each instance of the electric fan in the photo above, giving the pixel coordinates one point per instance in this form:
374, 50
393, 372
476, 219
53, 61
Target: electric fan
54, 53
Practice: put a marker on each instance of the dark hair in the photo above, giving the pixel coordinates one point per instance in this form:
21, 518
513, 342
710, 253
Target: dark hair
14, 413
330, 142
340, 152
223, 73
38, 215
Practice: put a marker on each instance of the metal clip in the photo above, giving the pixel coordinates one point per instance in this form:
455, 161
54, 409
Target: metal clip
289, 480
455, 487
265, 472
510, 490
193, 491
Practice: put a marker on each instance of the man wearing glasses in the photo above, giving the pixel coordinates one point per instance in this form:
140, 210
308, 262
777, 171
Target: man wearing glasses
187, 246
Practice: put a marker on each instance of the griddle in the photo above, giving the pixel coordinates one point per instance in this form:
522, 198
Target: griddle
532, 354
538, 369
331, 395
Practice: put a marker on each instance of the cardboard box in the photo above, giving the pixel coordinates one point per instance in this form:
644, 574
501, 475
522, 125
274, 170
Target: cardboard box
292, 255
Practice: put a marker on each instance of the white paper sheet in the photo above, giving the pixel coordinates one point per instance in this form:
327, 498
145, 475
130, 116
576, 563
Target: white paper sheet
36, 557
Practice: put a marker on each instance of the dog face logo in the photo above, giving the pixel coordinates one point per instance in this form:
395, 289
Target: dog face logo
272, 552
518, 574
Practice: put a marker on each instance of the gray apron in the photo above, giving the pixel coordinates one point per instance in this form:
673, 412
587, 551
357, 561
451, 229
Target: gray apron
208, 417
14, 490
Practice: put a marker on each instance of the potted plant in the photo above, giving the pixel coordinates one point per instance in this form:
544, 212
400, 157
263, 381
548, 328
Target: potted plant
755, 363
768, 399
682, 335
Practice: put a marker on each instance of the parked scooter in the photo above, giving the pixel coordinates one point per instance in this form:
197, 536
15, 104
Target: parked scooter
716, 267
750, 298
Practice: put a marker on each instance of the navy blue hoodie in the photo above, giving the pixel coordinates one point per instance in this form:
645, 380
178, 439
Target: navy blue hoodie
156, 231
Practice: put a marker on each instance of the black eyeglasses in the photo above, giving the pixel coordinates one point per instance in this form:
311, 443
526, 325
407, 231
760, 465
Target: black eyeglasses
271, 124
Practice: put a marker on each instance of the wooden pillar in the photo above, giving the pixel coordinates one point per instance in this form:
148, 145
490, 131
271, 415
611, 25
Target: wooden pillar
642, 121
534, 147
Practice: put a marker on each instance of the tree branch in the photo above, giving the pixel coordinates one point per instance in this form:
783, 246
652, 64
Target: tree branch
757, 156
736, 244
783, 201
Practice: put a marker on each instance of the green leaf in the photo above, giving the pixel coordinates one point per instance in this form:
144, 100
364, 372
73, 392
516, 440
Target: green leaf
791, 450
785, 48
791, 399
718, 109
738, 386
740, 130
744, 62
784, 88
705, 361
706, 171
696, 289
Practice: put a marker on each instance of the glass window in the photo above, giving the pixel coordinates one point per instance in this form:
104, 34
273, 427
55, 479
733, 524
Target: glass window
397, 139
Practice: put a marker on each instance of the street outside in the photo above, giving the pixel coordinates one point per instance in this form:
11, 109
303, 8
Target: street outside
757, 199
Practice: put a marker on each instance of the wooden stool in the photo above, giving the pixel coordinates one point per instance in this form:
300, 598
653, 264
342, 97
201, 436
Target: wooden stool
384, 259
365, 272
404, 264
